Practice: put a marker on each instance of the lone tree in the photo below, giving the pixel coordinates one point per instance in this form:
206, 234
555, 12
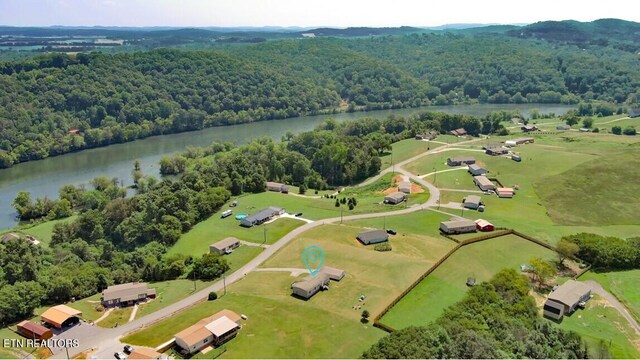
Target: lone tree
616, 130
213, 295
365, 316
566, 249
542, 270
587, 123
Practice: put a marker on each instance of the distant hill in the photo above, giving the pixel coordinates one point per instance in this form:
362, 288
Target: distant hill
599, 32
362, 31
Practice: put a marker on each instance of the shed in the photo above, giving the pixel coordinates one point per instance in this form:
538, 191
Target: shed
126, 294
277, 187
565, 299
31, 330
585, 130
61, 315
484, 225
395, 198
405, 187
213, 330
310, 285
334, 274
224, 246
524, 140
529, 128
458, 226
373, 236
484, 183
458, 132
261, 216
505, 192
461, 160
475, 169
472, 202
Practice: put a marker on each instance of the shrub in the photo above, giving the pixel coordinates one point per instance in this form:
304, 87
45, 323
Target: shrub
213, 296
383, 247
595, 130
629, 130
616, 130
302, 189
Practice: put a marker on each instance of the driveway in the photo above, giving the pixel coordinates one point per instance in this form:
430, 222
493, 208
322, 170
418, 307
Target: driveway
613, 301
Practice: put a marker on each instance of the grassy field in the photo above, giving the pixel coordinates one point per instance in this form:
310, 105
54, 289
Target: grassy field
604, 327
117, 317
6, 354
624, 285
43, 231
169, 292
446, 285
87, 306
408, 148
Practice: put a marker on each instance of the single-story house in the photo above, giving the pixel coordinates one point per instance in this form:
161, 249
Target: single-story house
505, 192
475, 169
496, 151
277, 187
524, 140
212, 331
458, 132
633, 112
484, 225
472, 202
461, 160
491, 145
565, 299
310, 285
224, 246
510, 143
483, 183
144, 353
458, 226
334, 274
395, 198
529, 128
31, 330
405, 187
373, 236
61, 315
261, 216
126, 294
563, 127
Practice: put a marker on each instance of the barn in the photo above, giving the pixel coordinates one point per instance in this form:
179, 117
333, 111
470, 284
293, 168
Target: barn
484, 225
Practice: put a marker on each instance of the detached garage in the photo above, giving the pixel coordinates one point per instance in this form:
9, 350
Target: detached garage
484, 225
61, 315
31, 330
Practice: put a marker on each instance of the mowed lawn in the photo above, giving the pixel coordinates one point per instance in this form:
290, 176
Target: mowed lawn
408, 148
278, 325
447, 284
116, 317
603, 328
624, 285
43, 231
168, 292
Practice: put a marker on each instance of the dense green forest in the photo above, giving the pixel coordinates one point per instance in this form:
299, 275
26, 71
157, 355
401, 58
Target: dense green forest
496, 320
54, 104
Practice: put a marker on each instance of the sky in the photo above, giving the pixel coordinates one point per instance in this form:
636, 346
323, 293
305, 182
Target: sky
306, 13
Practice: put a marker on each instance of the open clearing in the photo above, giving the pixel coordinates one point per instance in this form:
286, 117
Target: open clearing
447, 284
408, 148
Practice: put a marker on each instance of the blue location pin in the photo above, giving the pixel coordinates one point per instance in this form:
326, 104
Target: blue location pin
313, 257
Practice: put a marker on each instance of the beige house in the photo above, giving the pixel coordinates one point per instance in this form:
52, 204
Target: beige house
277, 187
484, 183
565, 299
310, 285
225, 246
405, 187
458, 226
212, 331
334, 274
126, 294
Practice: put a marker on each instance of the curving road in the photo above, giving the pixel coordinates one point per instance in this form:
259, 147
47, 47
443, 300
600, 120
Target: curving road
613, 301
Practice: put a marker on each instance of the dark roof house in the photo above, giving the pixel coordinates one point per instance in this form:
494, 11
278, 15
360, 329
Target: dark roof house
261, 216
373, 236
395, 198
126, 294
634, 112
458, 132
461, 160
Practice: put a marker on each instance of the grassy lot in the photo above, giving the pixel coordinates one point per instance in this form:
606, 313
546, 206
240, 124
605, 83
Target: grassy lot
624, 285
278, 324
458, 179
446, 285
87, 306
6, 354
169, 292
117, 316
43, 231
408, 148
604, 327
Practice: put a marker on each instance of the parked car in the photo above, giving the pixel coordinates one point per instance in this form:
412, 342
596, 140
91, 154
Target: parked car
298, 215
233, 204
120, 355
128, 349
391, 231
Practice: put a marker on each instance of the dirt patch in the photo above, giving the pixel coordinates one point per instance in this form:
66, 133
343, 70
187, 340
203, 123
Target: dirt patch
390, 190
397, 179
415, 189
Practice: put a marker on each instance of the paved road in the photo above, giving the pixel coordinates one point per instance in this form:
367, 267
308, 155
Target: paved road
293, 271
613, 301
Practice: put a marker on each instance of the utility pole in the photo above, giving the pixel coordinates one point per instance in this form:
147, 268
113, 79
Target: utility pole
224, 282
384, 222
393, 166
341, 209
435, 177
194, 281
264, 227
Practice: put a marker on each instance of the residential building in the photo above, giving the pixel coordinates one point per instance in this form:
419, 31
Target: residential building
395, 198
9, 236
563, 127
212, 331
310, 285
31, 330
565, 299
60, 316
224, 246
144, 353
373, 236
461, 160
431, 135
405, 187
505, 192
524, 140
126, 294
277, 187
484, 225
458, 226
261, 216
496, 151
633, 112
483, 183
529, 128
475, 169
472, 202
334, 274
458, 132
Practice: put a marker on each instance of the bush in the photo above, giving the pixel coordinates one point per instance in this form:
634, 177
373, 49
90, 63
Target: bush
629, 130
595, 130
383, 247
302, 189
213, 296
616, 130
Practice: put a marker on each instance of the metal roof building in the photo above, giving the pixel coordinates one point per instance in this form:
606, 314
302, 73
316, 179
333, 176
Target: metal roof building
565, 299
224, 246
373, 236
310, 285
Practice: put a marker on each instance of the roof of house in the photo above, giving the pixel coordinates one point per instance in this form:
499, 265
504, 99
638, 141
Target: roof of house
331, 271
459, 131
483, 223
404, 185
396, 195
368, 235
143, 353
225, 243
221, 326
570, 292
198, 332
529, 127
500, 190
482, 180
524, 139
634, 112
473, 199
462, 158
33, 327
124, 292
475, 167
311, 282
271, 184
458, 223
264, 214
58, 314
9, 236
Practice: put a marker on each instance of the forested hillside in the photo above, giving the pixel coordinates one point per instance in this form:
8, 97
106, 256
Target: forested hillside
55, 104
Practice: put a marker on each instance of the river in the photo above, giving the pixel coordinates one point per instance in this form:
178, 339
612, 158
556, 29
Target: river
45, 177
